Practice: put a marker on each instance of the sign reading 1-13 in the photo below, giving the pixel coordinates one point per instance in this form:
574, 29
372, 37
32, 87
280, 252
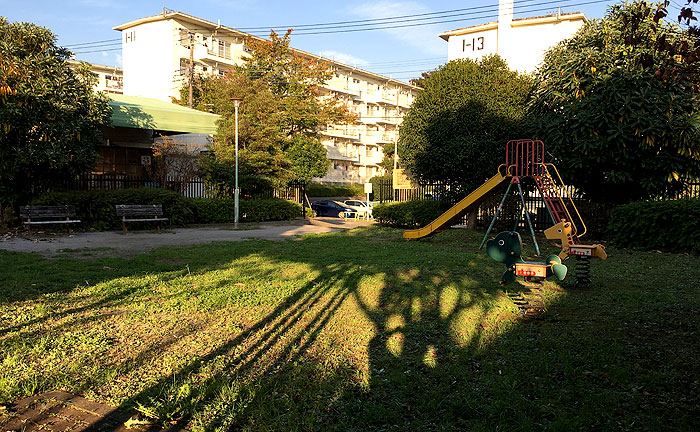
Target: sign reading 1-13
477, 44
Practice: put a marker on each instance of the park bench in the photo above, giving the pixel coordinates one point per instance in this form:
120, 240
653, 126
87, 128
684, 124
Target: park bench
48, 215
140, 213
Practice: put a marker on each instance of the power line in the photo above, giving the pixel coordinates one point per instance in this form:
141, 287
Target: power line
378, 23
436, 22
381, 26
93, 42
99, 50
377, 19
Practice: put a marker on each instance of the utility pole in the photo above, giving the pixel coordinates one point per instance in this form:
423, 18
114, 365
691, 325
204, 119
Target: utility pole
189, 96
236, 103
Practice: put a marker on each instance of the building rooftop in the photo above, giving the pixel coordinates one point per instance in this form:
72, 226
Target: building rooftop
166, 15
517, 22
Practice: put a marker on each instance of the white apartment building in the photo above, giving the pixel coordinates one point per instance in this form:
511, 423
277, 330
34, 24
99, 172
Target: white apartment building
521, 42
110, 79
156, 54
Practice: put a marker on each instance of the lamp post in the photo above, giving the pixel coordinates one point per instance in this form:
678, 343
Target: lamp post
236, 103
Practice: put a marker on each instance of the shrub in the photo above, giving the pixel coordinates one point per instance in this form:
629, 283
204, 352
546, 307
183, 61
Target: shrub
253, 210
409, 213
96, 208
321, 190
672, 225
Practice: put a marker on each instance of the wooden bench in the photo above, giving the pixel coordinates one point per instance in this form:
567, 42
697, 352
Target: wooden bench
48, 215
140, 213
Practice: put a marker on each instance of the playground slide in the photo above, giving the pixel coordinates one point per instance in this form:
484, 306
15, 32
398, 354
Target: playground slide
448, 218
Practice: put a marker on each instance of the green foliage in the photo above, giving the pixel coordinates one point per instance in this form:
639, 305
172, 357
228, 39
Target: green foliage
322, 190
280, 113
408, 213
208, 210
618, 127
672, 225
219, 176
308, 158
50, 118
458, 125
96, 208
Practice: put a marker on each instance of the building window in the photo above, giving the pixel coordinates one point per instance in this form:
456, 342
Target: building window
355, 81
222, 72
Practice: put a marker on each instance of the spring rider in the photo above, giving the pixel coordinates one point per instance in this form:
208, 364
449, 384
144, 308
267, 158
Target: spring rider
507, 248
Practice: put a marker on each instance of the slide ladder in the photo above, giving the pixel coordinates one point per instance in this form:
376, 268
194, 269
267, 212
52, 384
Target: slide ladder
551, 197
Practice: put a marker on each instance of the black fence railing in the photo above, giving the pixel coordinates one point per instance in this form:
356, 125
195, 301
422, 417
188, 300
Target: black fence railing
193, 188
511, 212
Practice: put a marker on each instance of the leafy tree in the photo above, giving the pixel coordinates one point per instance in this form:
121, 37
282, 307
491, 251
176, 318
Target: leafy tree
280, 114
458, 125
619, 123
308, 158
50, 118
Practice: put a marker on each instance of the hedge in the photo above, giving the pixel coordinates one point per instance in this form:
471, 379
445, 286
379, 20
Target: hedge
672, 225
321, 190
95, 208
254, 210
96, 211
408, 213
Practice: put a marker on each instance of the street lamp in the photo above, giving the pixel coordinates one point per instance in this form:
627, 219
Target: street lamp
236, 103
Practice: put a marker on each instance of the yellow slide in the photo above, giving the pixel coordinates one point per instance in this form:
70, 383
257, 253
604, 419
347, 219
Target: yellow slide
448, 218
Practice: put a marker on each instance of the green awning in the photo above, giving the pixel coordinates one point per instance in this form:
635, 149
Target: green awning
146, 113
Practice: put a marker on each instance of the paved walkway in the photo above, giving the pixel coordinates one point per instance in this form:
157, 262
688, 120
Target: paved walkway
59, 411
135, 242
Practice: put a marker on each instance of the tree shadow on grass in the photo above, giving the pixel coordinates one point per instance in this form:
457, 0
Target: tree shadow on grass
393, 335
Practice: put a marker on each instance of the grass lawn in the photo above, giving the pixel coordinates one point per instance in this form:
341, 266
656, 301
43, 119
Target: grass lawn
355, 331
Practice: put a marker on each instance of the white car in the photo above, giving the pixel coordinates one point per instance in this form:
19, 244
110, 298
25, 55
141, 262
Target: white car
359, 206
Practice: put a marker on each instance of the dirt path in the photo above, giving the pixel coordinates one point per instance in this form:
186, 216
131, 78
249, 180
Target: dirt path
135, 242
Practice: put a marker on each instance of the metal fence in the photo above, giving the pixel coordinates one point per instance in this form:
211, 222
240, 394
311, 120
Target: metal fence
194, 188
511, 213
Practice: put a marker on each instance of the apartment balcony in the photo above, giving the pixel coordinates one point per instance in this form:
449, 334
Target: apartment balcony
387, 120
367, 119
388, 98
335, 153
386, 138
342, 176
372, 159
342, 89
339, 132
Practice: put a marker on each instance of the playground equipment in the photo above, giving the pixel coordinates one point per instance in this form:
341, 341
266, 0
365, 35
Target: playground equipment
525, 160
507, 248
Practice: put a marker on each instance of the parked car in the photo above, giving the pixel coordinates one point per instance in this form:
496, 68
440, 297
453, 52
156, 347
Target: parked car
359, 206
332, 208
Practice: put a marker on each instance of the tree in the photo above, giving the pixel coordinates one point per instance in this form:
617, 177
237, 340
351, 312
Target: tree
619, 124
308, 158
281, 112
50, 118
459, 124
175, 164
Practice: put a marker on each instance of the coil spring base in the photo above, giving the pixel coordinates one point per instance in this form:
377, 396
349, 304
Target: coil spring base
583, 271
529, 302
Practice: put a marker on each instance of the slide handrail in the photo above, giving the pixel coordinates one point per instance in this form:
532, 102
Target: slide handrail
575, 228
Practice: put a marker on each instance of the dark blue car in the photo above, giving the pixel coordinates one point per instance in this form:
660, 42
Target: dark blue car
332, 208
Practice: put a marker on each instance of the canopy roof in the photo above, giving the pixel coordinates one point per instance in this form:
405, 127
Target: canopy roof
146, 113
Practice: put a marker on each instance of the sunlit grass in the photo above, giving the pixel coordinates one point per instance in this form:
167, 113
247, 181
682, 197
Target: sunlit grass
351, 331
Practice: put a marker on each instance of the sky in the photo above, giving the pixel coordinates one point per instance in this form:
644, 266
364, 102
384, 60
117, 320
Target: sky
402, 52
